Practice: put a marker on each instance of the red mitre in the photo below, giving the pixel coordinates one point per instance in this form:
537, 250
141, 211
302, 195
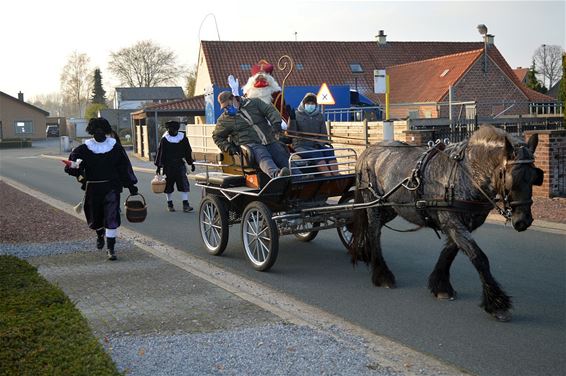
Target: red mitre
262, 66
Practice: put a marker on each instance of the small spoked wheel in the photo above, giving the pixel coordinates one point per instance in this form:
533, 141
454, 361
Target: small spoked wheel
345, 232
307, 236
260, 236
213, 224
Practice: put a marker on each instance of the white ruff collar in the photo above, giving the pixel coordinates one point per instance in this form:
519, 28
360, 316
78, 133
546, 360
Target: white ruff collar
100, 147
174, 139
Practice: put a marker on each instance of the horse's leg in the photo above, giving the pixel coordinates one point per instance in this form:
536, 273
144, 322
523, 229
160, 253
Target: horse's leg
494, 301
381, 275
439, 280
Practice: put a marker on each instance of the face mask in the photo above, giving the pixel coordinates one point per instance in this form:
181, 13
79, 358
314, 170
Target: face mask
310, 107
231, 110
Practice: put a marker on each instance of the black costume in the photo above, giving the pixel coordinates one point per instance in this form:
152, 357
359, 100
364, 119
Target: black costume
170, 154
103, 171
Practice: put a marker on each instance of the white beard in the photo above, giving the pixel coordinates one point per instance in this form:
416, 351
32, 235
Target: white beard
263, 93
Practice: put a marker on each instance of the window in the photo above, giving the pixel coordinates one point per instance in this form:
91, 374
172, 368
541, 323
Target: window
23, 127
356, 68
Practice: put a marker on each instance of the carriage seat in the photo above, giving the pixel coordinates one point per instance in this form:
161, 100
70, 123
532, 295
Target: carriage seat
221, 179
249, 162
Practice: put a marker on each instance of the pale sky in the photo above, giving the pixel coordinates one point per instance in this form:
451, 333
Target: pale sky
37, 36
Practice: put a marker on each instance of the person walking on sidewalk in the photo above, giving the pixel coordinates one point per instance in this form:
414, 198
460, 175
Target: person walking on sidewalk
103, 168
173, 148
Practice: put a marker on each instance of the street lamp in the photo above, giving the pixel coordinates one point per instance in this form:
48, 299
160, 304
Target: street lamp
544, 65
215, 23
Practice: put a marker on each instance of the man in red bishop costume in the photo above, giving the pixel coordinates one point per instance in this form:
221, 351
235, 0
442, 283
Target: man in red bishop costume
263, 85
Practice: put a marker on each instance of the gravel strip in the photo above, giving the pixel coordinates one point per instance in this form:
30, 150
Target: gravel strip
27, 250
272, 350
24, 218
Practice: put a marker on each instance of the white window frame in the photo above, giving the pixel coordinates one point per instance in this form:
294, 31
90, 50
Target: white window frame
26, 132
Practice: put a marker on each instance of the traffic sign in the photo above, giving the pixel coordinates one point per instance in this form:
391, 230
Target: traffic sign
324, 96
379, 86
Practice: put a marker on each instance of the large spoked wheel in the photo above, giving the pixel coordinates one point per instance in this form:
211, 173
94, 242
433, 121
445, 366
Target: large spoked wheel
306, 236
260, 236
213, 224
345, 232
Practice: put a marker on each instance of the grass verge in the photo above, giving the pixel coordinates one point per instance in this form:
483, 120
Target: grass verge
41, 331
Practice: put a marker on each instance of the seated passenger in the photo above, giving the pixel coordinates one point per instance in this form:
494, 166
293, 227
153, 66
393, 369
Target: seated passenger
312, 135
244, 122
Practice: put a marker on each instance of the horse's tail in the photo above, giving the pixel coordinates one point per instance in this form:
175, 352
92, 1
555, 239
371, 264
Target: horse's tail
359, 248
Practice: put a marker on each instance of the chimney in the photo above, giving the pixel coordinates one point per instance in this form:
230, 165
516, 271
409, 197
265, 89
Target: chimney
489, 39
21, 96
381, 38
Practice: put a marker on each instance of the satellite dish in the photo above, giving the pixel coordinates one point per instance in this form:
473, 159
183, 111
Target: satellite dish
482, 29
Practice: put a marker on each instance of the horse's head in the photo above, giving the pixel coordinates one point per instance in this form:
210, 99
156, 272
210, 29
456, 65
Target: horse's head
518, 175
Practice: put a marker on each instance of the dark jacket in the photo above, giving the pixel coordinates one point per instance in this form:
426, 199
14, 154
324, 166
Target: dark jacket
170, 155
113, 166
238, 131
309, 123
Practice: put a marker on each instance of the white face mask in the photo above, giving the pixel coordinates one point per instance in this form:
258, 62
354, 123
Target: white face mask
310, 107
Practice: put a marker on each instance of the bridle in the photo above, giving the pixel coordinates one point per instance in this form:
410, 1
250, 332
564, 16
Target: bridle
508, 205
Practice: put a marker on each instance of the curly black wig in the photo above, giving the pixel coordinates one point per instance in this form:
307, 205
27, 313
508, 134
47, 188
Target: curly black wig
172, 124
98, 123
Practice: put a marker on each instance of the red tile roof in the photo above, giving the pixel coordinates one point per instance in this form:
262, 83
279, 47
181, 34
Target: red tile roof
317, 62
521, 73
429, 80
532, 95
321, 61
190, 104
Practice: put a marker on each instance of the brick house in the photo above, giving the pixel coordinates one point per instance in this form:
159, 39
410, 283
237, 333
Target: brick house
19, 119
353, 64
486, 87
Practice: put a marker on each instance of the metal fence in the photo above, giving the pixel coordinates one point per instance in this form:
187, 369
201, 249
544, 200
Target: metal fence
463, 128
561, 171
373, 113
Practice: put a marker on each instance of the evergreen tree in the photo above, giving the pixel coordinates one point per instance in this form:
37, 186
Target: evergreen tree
98, 93
532, 81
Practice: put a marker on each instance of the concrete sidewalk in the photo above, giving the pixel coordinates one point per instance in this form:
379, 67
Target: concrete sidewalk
159, 311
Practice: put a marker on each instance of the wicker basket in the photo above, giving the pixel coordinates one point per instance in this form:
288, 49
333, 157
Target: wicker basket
158, 184
136, 210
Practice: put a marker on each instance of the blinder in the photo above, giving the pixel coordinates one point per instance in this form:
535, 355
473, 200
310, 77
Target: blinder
510, 205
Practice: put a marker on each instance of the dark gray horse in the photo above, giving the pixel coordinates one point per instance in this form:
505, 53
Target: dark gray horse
451, 190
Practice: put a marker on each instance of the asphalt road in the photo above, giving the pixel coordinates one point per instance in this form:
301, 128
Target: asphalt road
531, 267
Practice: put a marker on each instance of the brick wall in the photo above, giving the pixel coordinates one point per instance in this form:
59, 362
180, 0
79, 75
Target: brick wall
489, 90
550, 156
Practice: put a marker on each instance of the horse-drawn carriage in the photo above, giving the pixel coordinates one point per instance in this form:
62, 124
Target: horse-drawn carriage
450, 189
269, 208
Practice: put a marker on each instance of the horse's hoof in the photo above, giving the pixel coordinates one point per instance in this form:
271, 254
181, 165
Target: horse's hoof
502, 316
446, 296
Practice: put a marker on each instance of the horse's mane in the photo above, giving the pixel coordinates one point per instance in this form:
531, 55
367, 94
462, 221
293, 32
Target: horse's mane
488, 135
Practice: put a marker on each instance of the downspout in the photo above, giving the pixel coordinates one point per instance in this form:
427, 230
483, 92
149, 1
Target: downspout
156, 135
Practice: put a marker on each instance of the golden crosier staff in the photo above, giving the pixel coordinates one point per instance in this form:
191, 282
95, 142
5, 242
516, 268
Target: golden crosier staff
282, 65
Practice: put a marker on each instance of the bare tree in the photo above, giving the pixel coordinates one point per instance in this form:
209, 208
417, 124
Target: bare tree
191, 80
53, 103
145, 64
548, 62
76, 80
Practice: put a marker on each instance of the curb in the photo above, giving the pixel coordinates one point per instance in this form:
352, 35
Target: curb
386, 352
538, 225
